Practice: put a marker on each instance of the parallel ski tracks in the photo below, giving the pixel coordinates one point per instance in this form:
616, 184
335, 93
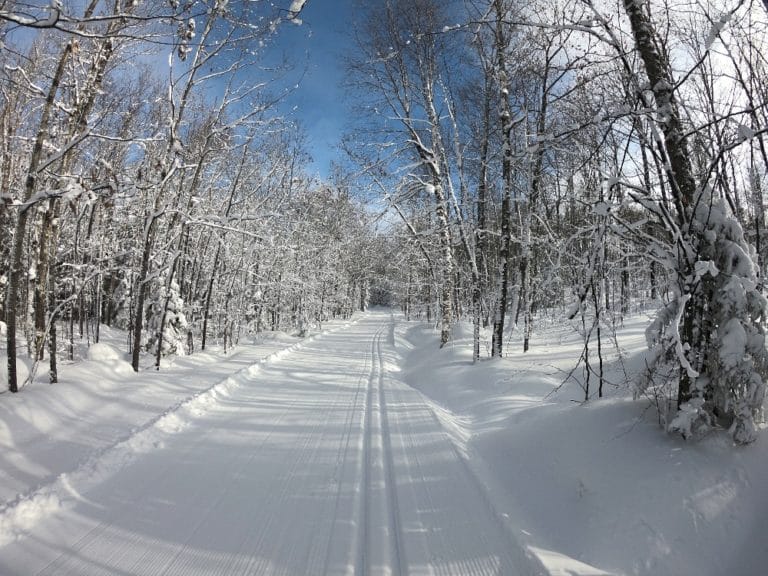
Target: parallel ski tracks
380, 549
399, 564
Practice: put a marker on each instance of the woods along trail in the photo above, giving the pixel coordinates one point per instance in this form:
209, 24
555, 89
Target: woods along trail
320, 462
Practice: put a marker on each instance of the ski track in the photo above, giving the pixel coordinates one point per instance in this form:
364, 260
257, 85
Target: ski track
318, 462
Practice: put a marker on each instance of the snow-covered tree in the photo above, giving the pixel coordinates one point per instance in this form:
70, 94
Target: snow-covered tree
710, 335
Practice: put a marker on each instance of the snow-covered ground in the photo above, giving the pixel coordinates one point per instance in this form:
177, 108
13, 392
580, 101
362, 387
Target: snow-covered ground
597, 487
366, 450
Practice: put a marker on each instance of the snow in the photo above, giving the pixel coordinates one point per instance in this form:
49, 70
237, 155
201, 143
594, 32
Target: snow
366, 449
733, 343
22, 370
293, 12
716, 30
101, 352
595, 488
703, 267
745, 132
603, 208
297, 6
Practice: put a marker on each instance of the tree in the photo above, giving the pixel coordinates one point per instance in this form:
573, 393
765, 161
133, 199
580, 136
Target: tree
400, 62
501, 46
711, 332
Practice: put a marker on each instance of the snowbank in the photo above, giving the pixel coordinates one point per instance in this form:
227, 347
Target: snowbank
596, 487
109, 358
100, 402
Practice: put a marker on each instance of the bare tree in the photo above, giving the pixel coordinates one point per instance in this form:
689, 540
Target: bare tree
400, 62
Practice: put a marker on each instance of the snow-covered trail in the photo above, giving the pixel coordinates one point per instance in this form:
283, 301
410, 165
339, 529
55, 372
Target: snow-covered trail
321, 462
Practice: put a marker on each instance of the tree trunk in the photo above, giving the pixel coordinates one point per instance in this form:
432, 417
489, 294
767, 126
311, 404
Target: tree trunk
480, 230
53, 370
141, 286
208, 296
625, 296
679, 171
446, 309
505, 115
21, 225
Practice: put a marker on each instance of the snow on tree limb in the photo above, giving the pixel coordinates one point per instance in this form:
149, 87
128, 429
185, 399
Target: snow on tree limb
293, 12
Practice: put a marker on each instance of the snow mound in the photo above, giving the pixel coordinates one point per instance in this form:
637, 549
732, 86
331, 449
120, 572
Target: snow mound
100, 352
20, 518
110, 358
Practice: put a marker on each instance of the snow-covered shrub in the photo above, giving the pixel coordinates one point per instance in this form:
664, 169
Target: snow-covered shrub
711, 332
122, 299
175, 328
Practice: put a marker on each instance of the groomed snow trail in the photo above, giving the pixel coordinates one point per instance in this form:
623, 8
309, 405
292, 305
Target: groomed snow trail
321, 462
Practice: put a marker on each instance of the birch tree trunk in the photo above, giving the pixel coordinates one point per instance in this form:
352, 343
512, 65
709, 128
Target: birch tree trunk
505, 115
30, 186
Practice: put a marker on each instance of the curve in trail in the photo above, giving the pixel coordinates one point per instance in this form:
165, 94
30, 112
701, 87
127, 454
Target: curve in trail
319, 463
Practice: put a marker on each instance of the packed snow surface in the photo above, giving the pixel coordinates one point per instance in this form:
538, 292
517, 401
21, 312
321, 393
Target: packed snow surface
366, 450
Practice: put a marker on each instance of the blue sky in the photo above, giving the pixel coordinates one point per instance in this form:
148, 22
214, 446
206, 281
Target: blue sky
320, 43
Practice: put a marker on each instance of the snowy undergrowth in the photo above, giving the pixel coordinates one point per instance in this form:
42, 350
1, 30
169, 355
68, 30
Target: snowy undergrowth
56, 441
597, 487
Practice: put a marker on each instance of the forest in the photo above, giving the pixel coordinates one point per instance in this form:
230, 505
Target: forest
504, 162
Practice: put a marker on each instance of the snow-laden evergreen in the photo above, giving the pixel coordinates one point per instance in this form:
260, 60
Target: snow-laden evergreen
726, 356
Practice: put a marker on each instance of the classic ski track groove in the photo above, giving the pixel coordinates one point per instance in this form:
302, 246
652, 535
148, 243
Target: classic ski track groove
343, 455
399, 565
363, 536
379, 531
